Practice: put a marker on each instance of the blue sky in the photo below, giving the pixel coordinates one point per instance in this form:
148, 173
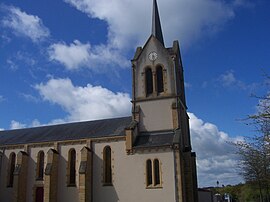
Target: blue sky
63, 61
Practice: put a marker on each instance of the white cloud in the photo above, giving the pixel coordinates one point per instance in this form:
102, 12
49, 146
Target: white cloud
2, 98
72, 56
24, 24
20, 57
78, 55
85, 103
5, 39
29, 97
228, 79
129, 22
216, 158
184, 20
16, 125
11, 64
35, 123
129, 25
1, 129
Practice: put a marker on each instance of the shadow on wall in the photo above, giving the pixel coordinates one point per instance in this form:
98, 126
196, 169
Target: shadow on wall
142, 116
3, 170
65, 192
32, 176
1, 157
101, 191
5, 192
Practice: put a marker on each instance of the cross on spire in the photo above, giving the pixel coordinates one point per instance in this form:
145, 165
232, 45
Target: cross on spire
156, 26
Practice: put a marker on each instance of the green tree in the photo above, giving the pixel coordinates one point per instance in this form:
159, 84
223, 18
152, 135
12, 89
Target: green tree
254, 151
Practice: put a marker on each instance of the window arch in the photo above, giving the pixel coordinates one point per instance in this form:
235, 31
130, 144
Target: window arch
107, 165
159, 79
148, 81
40, 165
156, 172
72, 167
153, 175
11, 168
149, 180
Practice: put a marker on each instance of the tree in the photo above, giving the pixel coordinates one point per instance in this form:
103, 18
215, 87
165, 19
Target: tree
254, 151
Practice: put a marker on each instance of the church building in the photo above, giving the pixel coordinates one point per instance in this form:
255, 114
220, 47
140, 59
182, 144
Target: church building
146, 157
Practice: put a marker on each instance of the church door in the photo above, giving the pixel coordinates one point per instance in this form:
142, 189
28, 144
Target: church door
39, 194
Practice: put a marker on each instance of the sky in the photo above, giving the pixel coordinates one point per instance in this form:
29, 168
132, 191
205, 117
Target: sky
66, 61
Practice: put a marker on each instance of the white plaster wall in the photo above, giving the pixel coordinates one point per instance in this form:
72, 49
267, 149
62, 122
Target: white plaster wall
156, 115
32, 163
6, 193
129, 178
65, 193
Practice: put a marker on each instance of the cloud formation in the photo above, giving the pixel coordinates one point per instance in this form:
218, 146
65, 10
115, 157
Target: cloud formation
78, 55
16, 125
13, 62
129, 25
228, 80
216, 158
85, 103
129, 22
2, 98
23, 24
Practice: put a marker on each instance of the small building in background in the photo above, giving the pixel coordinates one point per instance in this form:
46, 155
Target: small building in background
205, 195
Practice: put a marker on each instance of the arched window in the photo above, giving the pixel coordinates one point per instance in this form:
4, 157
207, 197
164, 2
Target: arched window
153, 179
72, 167
11, 168
40, 165
159, 79
148, 81
107, 165
156, 172
149, 179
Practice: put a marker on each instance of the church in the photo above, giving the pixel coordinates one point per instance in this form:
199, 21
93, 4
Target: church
145, 157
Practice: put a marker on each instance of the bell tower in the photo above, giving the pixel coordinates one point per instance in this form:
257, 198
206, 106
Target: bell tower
158, 85
159, 110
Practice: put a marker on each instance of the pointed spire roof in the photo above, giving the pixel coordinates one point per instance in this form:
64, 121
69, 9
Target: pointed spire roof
156, 26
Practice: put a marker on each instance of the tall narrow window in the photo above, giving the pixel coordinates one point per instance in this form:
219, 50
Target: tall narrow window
159, 79
11, 168
72, 168
148, 81
149, 180
107, 165
156, 172
40, 165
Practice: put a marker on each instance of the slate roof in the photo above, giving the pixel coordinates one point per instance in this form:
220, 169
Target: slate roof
70, 131
156, 139
83, 130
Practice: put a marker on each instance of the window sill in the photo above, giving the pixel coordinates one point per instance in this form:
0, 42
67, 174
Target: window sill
39, 179
107, 184
154, 187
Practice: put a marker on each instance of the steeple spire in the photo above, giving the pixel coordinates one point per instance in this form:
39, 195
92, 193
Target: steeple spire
156, 26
